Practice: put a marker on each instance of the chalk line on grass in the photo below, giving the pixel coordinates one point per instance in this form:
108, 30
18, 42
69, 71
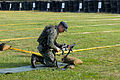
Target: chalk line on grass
23, 29
18, 38
31, 29
61, 34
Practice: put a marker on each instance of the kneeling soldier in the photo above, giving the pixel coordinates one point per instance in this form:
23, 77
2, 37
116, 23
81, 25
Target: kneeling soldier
48, 44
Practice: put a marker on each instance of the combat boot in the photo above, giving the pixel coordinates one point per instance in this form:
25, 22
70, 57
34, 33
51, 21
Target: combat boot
35, 59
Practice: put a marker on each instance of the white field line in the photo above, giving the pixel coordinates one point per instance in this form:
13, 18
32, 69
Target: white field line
92, 32
89, 20
100, 17
105, 24
43, 27
60, 34
32, 29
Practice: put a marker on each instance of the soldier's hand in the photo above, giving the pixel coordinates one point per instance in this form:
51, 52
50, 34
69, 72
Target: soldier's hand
68, 47
58, 49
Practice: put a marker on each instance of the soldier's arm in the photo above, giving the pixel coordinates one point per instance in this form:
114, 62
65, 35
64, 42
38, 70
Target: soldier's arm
51, 38
58, 45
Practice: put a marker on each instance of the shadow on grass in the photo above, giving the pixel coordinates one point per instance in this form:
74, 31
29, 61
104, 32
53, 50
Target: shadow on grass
13, 65
22, 56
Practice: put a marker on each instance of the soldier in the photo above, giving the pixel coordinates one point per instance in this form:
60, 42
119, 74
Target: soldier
47, 45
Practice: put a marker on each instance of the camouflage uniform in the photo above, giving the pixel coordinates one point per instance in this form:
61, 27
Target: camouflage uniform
47, 41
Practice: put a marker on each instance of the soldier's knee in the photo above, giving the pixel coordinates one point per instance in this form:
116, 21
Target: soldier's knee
50, 63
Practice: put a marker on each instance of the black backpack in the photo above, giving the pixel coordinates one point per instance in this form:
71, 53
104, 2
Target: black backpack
44, 34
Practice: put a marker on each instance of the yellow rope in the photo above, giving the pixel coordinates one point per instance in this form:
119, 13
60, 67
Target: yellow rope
117, 45
79, 50
25, 51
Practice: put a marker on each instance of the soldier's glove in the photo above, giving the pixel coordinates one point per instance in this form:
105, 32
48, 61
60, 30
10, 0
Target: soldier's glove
64, 48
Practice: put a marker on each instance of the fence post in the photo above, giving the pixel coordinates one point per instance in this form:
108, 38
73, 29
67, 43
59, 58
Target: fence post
48, 6
34, 5
99, 6
63, 6
118, 6
80, 7
20, 6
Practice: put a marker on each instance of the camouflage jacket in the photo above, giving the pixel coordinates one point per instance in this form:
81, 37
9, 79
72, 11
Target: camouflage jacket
48, 38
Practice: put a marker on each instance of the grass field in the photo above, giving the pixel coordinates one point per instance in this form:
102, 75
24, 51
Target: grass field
88, 29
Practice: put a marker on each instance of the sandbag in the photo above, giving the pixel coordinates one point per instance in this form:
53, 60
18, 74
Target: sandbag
71, 60
70, 66
4, 47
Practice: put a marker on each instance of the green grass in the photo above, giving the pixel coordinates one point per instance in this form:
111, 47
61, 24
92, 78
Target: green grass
100, 64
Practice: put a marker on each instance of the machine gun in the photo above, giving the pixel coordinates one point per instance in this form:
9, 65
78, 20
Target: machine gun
68, 59
65, 48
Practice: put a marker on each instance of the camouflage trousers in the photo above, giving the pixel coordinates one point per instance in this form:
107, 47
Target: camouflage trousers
49, 58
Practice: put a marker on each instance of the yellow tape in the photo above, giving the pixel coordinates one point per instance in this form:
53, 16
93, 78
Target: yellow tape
25, 51
117, 45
